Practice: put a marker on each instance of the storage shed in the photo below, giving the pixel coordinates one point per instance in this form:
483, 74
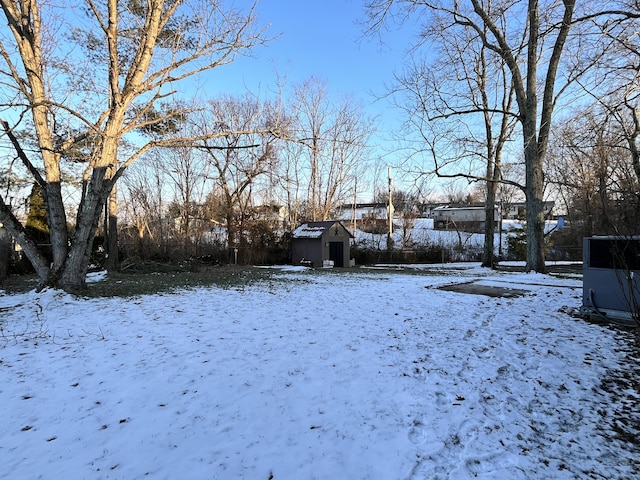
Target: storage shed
318, 244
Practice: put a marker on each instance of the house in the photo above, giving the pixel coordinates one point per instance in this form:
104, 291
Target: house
319, 243
362, 211
427, 209
367, 217
469, 218
517, 210
274, 215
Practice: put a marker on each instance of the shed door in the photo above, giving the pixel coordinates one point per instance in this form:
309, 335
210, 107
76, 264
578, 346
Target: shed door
336, 253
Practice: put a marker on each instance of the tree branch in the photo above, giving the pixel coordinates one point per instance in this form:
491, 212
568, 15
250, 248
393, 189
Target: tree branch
23, 156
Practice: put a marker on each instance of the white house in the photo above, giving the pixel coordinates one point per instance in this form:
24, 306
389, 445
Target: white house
361, 211
463, 218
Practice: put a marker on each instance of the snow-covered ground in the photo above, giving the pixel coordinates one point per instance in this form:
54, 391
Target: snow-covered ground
315, 375
422, 233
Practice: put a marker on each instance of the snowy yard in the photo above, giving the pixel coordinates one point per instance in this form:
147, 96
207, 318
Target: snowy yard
316, 375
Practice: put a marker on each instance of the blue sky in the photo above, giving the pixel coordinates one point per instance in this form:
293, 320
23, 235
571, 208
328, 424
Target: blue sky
324, 39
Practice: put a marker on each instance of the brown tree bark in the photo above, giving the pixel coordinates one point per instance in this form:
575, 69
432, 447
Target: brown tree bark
112, 261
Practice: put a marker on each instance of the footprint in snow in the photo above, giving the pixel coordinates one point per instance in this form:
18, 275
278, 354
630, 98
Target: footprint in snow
417, 433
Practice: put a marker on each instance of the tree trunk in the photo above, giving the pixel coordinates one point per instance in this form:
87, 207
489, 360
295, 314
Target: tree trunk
632, 141
232, 240
313, 183
30, 249
534, 213
57, 224
73, 276
488, 257
111, 241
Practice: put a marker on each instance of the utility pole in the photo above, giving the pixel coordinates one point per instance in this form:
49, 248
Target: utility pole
500, 225
355, 197
390, 213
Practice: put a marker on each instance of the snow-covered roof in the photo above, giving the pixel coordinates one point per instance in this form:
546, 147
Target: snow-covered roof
467, 207
315, 229
312, 229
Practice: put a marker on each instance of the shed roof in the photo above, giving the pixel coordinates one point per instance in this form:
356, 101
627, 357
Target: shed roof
316, 229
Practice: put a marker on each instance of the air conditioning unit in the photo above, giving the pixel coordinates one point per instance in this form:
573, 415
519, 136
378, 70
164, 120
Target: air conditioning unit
611, 278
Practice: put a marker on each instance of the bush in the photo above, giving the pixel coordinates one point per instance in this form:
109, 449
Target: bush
516, 244
5, 253
427, 253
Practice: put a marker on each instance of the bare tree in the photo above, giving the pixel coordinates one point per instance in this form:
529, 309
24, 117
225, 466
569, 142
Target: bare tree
291, 180
185, 173
465, 89
589, 167
103, 81
619, 95
144, 211
530, 38
239, 138
406, 205
336, 136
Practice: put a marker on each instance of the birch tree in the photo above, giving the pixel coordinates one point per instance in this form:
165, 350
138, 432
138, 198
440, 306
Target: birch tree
98, 71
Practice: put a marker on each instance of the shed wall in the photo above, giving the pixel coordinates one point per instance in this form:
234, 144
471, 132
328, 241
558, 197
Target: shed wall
308, 249
336, 234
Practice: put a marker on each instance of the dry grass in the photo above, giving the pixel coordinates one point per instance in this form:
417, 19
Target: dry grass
156, 279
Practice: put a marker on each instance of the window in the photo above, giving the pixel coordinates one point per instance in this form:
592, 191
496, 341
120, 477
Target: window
619, 253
